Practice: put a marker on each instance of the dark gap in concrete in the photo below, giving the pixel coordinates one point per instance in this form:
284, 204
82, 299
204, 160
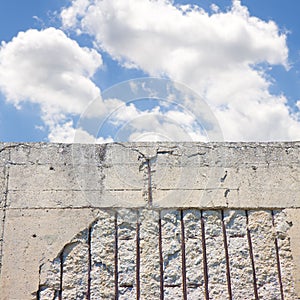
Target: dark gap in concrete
183, 257
56, 295
128, 286
172, 285
150, 199
194, 285
38, 295
61, 257
277, 258
205, 271
165, 152
251, 257
224, 177
226, 256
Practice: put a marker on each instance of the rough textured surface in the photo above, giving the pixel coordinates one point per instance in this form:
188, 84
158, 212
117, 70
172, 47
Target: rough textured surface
293, 218
127, 253
75, 267
171, 254
50, 193
194, 254
149, 254
103, 256
31, 238
50, 280
126, 260
215, 255
4, 157
263, 236
282, 226
241, 273
216, 175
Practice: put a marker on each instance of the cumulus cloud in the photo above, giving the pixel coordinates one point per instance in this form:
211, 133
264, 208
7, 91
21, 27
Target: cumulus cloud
67, 133
216, 54
133, 124
48, 68
132, 29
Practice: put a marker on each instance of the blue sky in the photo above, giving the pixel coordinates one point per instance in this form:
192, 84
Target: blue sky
241, 57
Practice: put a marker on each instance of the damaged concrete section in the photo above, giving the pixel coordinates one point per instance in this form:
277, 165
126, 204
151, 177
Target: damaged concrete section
200, 255
150, 220
157, 174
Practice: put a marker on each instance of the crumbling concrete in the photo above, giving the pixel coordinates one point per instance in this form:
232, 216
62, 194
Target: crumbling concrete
253, 261
141, 220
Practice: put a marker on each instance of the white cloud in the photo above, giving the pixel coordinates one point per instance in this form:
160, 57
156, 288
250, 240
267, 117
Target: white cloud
133, 124
132, 29
67, 133
48, 68
215, 54
158, 127
214, 8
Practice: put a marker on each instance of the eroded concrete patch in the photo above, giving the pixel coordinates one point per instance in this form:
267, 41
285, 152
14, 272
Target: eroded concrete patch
237, 254
31, 237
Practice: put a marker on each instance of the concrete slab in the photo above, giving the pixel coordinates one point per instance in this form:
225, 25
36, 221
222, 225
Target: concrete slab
238, 190
31, 237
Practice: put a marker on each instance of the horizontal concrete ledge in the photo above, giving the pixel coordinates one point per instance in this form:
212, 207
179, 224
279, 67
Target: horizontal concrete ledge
184, 175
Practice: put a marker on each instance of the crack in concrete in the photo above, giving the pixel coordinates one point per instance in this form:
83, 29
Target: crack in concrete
224, 177
150, 199
196, 154
14, 146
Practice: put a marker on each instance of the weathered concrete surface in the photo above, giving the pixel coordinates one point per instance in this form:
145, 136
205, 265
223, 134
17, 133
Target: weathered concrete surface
2, 214
149, 254
102, 249
127, 253
215, 255
194, 254
101, 263
3, 185
187, 174
282, 224
51, 192
262, 236
31, 238
4, 157
294, 217
241, 273
172, 254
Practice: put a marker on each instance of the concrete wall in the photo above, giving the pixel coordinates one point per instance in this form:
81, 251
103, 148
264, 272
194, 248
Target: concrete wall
186, 220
